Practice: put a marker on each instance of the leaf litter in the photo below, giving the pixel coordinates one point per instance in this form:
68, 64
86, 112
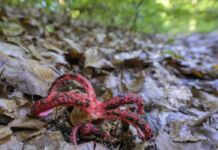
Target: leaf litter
177, 80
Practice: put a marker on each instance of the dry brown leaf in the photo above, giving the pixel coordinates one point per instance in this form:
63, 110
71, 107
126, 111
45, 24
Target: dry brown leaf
178, 95
112, 82
13, 29
208, 101
5, 132
132, 81
51, 141
74, 56
29, 22
77, 115
12, 50
23, 111
164, 142
93, 58
25, 135
51, 47
5, 118
11, 144
27, 123
137, 83
55, 141
133, 59
21, 102
108, 94
7, 105
91, 146
27, 75
141, 146
181, 132
38, 70
74, 52
75, 46
52, 57
35, 53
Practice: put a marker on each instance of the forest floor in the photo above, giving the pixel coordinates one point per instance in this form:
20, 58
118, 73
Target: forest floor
176, 76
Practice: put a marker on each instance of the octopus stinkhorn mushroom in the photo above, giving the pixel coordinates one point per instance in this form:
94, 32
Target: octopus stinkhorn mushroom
94, 108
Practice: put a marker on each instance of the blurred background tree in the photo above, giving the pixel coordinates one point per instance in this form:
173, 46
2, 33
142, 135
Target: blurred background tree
150, 16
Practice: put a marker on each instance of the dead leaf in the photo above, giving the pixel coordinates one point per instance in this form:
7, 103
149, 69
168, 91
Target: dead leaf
132, 59
12, 50
50, 141
12, 144
24, 110
26, 135
27, 123
74, 56
31, 25
151, 89
29, 22
7, 105
206, 100
77, 115
75, 46
5, 132
34, 52
91, 146
5, 119
209, 86
141, 146
93, 58
54, 58
164, 142
108, 94
21, 102
178, 95
27, 75
51, 47
181, 132
136, 84
13, 29
111, 82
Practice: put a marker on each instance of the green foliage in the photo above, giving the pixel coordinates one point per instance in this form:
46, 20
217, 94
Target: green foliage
150, 16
